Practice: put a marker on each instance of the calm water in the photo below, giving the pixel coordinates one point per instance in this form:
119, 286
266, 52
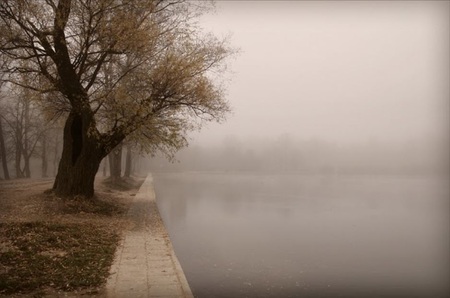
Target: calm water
242, 235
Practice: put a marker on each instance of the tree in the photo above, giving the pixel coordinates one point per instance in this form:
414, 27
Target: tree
128, 162
3, 152
25, 127
2, 137
123, 67
115, 164
44, 164
48, 148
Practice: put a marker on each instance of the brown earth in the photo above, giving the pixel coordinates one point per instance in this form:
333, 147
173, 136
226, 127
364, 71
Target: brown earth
51, 246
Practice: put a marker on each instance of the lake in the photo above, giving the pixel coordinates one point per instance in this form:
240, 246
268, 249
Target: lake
291, 235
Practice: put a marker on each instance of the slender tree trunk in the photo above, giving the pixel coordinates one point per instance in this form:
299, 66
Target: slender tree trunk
80, 159
55, 156
3, 153
115, 163
137, 164
18, 156
111, 163
128, 162
105, 165
44, 156
26, 168
26, 141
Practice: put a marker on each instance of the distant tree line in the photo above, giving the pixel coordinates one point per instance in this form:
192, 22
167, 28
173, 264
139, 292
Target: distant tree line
26, 136
288, 154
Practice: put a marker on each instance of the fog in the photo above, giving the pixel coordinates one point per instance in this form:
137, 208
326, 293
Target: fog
331, 176
367, 82
340, 72
246, 235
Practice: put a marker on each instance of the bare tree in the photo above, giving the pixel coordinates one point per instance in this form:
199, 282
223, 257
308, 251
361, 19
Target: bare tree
3, 64
3, 152
161, 67
44, 167
25, 127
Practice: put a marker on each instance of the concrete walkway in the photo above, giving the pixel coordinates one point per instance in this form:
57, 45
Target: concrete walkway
145, 264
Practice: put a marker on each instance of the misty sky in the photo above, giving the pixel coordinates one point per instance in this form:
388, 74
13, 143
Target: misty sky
340, 71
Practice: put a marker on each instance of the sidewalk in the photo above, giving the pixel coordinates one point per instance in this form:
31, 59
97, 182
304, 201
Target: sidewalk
145, 264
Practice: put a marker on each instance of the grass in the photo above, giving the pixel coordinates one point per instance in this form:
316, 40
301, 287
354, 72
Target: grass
65, 257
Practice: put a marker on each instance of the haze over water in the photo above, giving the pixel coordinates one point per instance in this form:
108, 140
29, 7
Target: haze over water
331, 177
274, 235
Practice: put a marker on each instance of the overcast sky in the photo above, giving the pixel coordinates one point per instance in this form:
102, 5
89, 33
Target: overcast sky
340, 71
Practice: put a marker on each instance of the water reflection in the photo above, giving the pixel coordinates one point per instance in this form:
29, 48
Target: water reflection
291, 235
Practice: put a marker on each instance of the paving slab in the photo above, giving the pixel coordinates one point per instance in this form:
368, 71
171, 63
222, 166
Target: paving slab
145, 264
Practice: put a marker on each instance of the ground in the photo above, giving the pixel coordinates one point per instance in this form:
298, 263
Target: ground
53, 247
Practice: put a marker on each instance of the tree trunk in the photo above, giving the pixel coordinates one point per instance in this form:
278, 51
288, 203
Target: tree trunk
26, 168
26, 141
128, 162
55, 156
80, 159
137, 164
3, 153
105, 164
115, 163
18, 156
44, 156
